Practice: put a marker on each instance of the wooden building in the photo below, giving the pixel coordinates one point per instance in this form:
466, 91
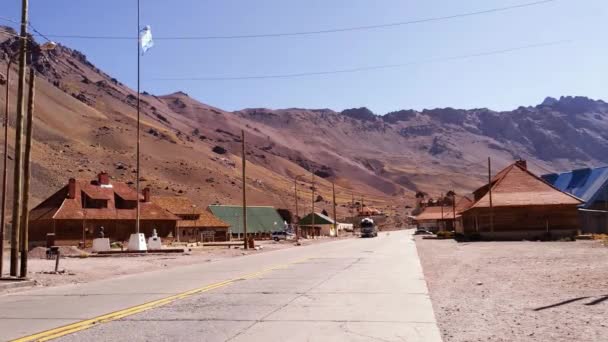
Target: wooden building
324, 226
523, 206
443, 217
435, 219
195, 224
77, 211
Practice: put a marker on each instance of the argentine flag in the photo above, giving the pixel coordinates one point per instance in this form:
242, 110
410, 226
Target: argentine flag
145, 39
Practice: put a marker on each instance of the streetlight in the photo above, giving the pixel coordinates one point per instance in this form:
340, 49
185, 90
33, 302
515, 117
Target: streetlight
43, 47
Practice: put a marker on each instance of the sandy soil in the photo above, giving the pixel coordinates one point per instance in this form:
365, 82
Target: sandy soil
518, 291
80, 270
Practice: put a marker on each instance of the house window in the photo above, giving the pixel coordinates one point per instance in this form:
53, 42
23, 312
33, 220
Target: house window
121, 203
93, 203
190, 217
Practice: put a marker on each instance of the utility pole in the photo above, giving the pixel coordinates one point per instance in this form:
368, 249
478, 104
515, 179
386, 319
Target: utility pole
5, 166
442, 222
295, 189
17, 188
490, 193
333, 190
362, 205
606, 205
244, 190
313, 203
27, 173
454, 209
352, 204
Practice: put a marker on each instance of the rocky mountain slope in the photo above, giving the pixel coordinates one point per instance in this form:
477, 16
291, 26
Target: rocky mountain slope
85, 122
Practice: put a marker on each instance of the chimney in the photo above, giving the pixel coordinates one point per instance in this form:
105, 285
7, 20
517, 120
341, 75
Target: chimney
522, 163
103, 178
146, 193
72, 188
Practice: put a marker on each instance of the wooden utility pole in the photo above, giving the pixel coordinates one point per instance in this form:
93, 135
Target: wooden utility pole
490, 194
333, 190
313, 203
442, 222
244, 190
4, 166
17, 186
296, 223
454, 209
362, 205
27, 173
605, 208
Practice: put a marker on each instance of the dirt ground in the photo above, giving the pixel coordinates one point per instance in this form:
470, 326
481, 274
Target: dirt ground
518, 291
81, 270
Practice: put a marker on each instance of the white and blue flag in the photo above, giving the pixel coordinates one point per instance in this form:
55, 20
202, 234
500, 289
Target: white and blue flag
145, 39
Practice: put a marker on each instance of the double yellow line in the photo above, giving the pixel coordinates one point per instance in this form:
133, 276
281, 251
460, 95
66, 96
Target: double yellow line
86, 324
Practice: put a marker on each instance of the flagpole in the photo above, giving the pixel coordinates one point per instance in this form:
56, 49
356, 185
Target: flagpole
138, 125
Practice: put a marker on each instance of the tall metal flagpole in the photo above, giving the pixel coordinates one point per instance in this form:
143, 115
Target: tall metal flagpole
138, 126
244, 162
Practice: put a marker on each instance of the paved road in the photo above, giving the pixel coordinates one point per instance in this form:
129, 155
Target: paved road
348, 290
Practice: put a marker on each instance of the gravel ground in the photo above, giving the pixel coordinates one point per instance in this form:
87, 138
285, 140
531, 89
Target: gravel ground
80, 270
518, 291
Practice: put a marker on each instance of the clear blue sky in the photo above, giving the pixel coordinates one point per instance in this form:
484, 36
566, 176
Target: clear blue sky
499, 82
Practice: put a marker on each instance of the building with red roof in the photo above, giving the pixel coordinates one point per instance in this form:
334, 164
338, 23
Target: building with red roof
520, 205
78, 210
196, 224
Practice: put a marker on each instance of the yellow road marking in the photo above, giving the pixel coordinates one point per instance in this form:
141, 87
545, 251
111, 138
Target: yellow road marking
89, 323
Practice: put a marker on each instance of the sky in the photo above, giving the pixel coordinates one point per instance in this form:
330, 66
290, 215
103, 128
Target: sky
576, 66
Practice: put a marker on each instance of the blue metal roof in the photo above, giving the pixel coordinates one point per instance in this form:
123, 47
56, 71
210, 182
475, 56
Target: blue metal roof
586, 184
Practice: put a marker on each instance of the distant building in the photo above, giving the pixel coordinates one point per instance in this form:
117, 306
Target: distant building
195, 224
590, 185
436, 218
261, 221
523, 206
79, 209
368, 211
323, 226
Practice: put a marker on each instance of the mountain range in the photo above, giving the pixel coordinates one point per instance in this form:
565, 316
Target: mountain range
85, 122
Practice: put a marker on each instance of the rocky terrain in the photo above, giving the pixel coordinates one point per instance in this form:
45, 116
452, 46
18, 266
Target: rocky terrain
86, 122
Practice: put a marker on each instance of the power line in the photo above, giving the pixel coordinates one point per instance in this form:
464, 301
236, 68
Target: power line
318, 32
368, 68
38, 33
8, 33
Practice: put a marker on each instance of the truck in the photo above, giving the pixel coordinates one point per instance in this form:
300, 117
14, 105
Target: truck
368, 228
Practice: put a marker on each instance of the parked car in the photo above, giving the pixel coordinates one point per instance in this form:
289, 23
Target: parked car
422, 231
281, 235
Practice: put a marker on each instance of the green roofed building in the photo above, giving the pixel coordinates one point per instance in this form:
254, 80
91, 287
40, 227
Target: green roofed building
323, 225
260, 220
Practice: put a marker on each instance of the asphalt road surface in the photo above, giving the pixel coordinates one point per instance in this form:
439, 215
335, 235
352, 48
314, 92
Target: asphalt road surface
349, 290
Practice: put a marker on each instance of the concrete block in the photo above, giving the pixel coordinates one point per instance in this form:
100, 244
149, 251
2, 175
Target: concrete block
101, 245
154, 243
137, 242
